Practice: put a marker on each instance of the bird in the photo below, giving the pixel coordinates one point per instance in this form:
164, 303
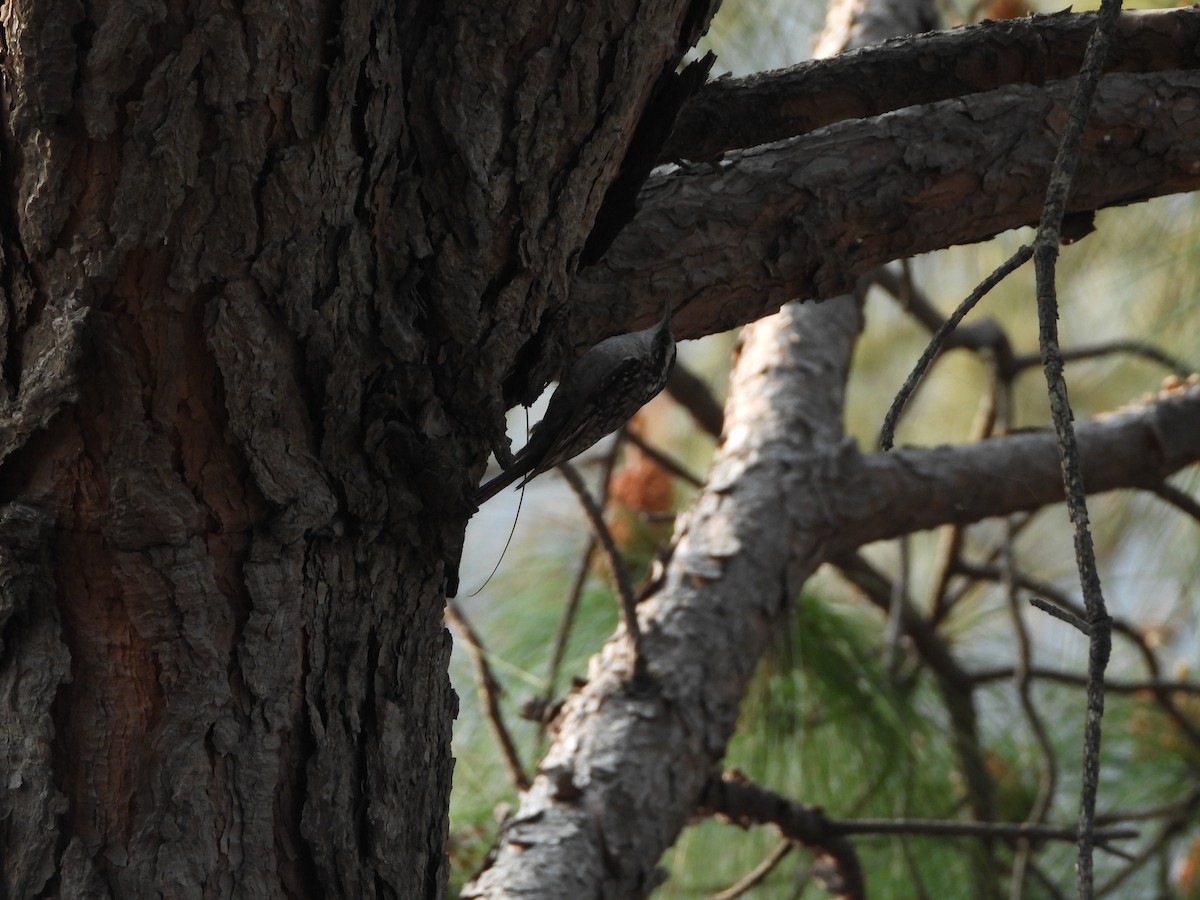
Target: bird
599, 393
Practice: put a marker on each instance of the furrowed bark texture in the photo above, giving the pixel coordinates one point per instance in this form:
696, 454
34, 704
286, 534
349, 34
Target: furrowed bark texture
263, 273
805, 218
270, 277
733, 113
629, 763
786, 490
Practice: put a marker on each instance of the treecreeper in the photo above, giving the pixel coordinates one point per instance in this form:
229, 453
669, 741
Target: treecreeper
599, 393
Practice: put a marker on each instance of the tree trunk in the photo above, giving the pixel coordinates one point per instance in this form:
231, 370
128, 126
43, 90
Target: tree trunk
270, 279
263, 272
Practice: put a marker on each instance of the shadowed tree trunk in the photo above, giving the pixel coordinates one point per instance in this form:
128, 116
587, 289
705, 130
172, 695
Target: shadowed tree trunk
263, 270
271, 276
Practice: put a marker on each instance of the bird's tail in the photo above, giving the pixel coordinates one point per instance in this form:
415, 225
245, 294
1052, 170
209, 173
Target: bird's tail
490, 489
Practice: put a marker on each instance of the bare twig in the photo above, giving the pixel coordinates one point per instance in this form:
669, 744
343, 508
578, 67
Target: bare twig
1049, 888
962, 567
755, 877
600, 530
489, 693
690, 392
1181, 500
1061, 614
1171, 828
665, 461
914, 869
1045, 263
985, 334
896, 606
993, 409
1161, 689
1114, 686
567, 621
1011, 831
744, 803
936, 343
1133, 347
1048, 776
953, 682
1184, 808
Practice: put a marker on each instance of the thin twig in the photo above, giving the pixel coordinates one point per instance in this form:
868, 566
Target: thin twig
744, 803
914, 869
935, 345
1181, 500
1175, 809
1161, 689
600, 530
985, 334
1004, 830
690, 391
993, 408
953, 682
563, 634
989, 335
755, 876
1004, 673
1045, 260
1048, 776
963, 567
489, 694
1133, 347
668, 463
567, 621
1182, 720
1061, 614
896, 605
1171, 828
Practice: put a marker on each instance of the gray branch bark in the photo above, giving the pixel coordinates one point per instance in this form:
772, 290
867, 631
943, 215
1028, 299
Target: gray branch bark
786, 491
732, 113
804, 218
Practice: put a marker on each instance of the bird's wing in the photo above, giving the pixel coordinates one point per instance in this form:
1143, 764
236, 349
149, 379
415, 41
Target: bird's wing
590, 407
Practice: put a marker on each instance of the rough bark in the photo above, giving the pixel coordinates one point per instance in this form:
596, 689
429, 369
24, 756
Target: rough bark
886, 495
270, 277
263, 273
785, 491
805, 218
732, 113
630, 760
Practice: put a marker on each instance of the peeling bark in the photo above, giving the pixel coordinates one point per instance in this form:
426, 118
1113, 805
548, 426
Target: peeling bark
270, 278
734, 113
264, 273
803, 219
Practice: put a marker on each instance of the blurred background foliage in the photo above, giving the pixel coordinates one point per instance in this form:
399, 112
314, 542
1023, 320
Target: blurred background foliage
842, 714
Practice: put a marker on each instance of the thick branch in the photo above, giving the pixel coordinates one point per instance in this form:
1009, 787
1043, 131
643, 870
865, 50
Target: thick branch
731, 113
745, 804
805, 218
629, 762
628, 765
887, 495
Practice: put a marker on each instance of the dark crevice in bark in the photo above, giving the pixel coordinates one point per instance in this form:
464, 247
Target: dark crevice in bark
82, 33
360, 133
15, 260
330, 33
293, 788
731, 113
517, 387
695, 23
667, 97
